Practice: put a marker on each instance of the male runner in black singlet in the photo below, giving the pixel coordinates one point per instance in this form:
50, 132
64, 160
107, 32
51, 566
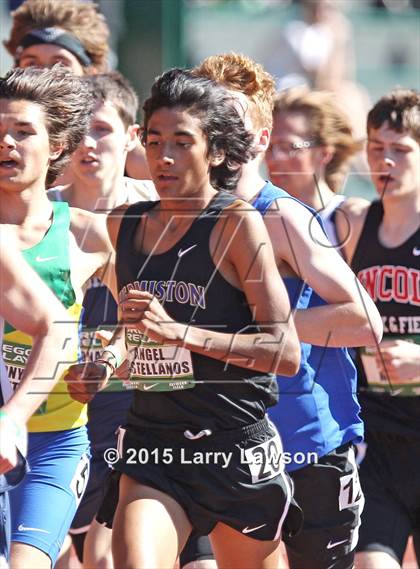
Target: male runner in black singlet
189, 269
384, 249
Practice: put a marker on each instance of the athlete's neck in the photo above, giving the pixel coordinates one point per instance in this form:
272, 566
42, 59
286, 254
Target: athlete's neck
184, 204
26, 207
99, 195
401, 218
251, 182
317, 194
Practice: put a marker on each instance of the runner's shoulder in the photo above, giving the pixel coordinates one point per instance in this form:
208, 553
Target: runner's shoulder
59, 193
355, 206
89, 230
140, 190
349, 225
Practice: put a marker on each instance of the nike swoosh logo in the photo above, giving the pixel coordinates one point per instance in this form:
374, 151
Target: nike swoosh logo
21, 527
147, 387
331, 544
181, 252
249, 530
39, 259
416, 251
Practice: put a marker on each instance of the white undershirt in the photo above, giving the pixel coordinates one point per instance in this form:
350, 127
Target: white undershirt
327, 214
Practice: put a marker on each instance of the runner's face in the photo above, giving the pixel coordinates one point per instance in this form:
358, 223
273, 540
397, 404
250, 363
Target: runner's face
176, 151
289, 168
102, 153
24, 144
47, 55
394, 159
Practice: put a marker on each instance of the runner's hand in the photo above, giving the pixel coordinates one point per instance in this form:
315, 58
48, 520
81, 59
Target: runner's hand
85, 380
401, 359
142, 311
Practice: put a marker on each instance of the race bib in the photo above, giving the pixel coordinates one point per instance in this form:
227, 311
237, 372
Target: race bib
264, 460
350, 490
157, 367
16, 351
378, 381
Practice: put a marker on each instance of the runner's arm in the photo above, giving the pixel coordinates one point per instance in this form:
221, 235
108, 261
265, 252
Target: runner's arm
85, 380
28, 305
350, 318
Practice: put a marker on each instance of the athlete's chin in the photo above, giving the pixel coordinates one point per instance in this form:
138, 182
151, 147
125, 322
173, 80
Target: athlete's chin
284, 181
13, 184
389, 188
91, 176
166, 189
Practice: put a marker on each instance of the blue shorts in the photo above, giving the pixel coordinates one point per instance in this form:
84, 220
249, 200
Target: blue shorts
43, 506
8, 482
107, 412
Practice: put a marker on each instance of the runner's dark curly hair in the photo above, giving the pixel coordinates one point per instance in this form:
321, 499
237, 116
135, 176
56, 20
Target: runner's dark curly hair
220, 121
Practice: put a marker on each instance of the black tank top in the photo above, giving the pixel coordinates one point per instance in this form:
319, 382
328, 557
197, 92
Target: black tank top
192, 290
392, 278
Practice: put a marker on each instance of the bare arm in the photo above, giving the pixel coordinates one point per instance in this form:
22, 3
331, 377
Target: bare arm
350, 318
85, 380
350, 224
90, 232
28, 305
248, 257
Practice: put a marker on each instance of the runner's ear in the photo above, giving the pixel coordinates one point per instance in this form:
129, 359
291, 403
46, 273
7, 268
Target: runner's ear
217, 158
327, 154
132, 137
55, 151
262, 140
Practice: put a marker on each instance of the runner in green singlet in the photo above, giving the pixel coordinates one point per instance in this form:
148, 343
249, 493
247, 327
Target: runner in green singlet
42, 121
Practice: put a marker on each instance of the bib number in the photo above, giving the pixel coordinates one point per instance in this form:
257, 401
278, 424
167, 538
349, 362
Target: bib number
80, 478
350, 490
264, 460
378, 381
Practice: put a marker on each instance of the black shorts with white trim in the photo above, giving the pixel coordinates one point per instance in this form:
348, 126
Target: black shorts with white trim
234, 477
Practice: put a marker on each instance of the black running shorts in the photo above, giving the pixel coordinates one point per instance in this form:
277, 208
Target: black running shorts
234, 477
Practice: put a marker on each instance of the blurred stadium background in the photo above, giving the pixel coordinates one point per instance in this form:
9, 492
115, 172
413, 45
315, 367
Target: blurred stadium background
370, 46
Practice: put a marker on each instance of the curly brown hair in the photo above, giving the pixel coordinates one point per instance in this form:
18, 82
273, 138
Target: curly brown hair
81, 19
327, 125
238, 72
65, 100
401, 109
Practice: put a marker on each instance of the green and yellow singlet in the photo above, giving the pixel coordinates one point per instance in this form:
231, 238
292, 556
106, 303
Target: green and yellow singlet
51, 260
